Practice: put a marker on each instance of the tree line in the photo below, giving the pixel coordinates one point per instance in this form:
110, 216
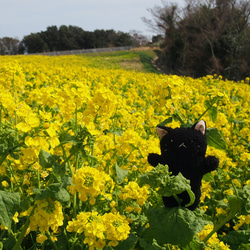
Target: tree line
70, 38
204, 37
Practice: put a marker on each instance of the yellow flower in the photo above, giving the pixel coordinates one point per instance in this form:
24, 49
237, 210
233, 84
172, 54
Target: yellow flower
99, 229
5, 184
47, 214
41, 238
134, 192
23, 126
44, 174
205, 190
117, 227
206, 230
89, 183
242, 219
15, 217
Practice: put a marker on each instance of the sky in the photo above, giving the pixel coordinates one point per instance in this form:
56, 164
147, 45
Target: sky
19, 18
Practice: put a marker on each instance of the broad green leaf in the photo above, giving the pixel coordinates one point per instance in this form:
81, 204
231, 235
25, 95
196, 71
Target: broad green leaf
9, 203
53, 191
127, 244
120, 173
236, 238
149, 246
46, 160
209, 177
195, 244
175, 226
66, 138
235, 204
214, 138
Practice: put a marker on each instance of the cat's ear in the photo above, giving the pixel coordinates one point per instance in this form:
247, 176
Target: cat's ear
161, 132
200, 126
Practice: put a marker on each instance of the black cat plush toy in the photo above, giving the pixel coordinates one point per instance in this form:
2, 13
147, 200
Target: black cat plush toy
183, 150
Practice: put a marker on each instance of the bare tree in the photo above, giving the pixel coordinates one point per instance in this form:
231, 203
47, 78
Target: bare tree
205, 37
9, 46
138, 38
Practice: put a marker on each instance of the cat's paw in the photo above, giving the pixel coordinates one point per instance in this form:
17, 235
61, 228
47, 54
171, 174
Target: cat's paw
154, 159
210, 163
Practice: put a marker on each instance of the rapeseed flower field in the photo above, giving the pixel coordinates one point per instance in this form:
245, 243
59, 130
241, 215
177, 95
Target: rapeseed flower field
75, 133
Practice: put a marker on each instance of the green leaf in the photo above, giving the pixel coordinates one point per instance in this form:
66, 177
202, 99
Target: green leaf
9, 203
54, 191
191, 196
215, 139
166, 121
235, 204
120, 173
46, 160
156, 178
175, 185
236, 238
127, 244
167, 185
196, 244
212, 110
175, 226
115, 131
149, 246
66, 138
244, 246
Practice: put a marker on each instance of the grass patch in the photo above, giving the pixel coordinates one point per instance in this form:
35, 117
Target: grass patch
140, 61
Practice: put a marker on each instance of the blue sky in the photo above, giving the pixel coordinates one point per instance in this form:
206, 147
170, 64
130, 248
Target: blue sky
22, 17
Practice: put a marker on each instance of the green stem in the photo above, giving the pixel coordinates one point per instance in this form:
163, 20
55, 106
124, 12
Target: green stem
76, 121
53, 243
8, 151
218, 226
177, 199
13, 175
38, 179
210, 106
1, 108
74, 205
22, 234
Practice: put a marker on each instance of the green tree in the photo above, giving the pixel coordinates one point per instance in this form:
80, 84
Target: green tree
34, 43
73, 38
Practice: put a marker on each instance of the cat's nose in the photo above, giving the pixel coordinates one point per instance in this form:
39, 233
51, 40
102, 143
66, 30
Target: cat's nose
182, 145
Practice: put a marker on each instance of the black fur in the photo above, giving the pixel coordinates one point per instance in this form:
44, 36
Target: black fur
183, 150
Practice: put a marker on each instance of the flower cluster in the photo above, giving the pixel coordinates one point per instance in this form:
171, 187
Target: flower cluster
213, 242
89, 183
75, 133
47, 215
100, 230
134, 196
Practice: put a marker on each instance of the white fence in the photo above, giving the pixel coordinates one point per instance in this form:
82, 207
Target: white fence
83, 51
